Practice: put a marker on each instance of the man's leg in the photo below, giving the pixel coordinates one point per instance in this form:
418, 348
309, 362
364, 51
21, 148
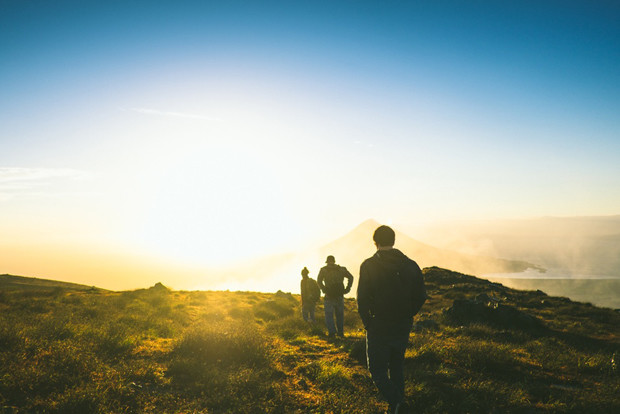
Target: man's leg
378, 356
398, 346
340, 316
329, 316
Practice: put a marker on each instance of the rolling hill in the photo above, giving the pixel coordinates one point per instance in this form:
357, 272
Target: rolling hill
32, 283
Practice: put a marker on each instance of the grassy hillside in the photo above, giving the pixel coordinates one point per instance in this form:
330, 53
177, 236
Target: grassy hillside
477, 347
10, 282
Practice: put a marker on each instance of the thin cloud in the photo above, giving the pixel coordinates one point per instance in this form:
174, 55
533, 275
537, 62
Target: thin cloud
19, 181
13, 174
148, 111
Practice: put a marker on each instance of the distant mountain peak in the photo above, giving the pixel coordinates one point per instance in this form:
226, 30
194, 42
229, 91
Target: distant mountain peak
367, 225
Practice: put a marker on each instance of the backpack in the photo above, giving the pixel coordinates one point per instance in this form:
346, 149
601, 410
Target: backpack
315, 292
402, 293
310, 291
417, 292
333, 281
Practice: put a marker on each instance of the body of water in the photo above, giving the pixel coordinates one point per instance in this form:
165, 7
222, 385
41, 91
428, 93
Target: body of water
598, 290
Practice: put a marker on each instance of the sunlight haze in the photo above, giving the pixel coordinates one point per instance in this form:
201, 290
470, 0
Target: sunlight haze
143, 141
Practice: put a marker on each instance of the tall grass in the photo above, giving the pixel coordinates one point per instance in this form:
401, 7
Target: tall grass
155, 350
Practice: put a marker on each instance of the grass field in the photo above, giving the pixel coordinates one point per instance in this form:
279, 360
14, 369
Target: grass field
477, 347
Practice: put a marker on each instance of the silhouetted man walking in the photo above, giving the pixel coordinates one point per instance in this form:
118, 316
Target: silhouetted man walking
331, 281
390, 292
310, 294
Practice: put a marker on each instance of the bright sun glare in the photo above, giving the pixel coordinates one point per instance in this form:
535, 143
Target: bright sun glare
217, 203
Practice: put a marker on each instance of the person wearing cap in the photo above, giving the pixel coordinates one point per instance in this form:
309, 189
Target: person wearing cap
310, 294
331, 281
389, 293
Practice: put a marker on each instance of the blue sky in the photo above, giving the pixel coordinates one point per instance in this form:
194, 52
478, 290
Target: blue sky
128, 122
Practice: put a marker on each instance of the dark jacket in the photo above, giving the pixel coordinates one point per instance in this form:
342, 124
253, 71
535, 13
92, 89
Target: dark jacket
310, 292
389, 289
331, 281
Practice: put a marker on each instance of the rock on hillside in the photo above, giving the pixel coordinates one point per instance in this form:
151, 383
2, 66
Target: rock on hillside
466, 300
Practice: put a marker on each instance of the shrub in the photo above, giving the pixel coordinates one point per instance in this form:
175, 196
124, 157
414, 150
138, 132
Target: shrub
273, 309
328, 375
10, 339
289, 327
240, 313
113, 340
77, 401
216, 344
485, 357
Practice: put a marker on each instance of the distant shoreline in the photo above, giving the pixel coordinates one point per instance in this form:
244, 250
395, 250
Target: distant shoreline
598, 290
534, 274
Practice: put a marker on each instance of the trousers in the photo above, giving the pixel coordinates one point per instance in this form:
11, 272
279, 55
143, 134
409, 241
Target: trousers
334, 306
385, 353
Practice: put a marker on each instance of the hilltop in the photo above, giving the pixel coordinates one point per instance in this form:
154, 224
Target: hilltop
477, 347
24, 283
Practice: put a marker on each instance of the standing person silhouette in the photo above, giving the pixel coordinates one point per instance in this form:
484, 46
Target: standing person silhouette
310, 294
390, 292
331, 281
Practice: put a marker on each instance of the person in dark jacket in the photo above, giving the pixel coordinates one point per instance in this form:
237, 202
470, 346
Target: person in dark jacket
389, 293
331, 281
310, 294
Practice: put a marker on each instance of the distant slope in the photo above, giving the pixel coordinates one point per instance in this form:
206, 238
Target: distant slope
357, 245
572, 245
21, 282
282, 271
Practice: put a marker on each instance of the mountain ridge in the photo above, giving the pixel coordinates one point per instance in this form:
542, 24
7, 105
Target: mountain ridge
359, 240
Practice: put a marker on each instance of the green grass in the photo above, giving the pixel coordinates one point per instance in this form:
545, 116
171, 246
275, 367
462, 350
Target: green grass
70, 350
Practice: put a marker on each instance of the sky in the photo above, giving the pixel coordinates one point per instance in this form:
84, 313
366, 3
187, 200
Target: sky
203, 133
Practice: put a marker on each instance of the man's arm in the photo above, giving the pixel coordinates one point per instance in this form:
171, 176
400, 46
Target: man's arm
418, 292
349, 277
321, 280
302, 290
363, 297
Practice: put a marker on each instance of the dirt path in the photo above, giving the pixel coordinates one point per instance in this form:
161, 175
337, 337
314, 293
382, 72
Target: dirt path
324, 377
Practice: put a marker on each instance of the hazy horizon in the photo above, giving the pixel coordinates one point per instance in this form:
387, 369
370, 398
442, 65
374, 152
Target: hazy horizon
144, 139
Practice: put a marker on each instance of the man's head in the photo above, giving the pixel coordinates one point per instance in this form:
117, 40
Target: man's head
330, 259
384, 237
304, 272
